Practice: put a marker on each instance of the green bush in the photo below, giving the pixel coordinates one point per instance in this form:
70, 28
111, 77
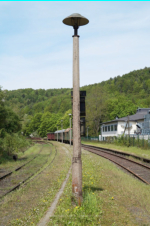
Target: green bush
132, 141
13, 143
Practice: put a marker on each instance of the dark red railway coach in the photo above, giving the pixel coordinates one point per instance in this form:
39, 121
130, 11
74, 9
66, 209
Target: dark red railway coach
50, 136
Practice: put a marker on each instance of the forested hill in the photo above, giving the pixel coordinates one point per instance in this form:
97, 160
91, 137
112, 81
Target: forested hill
30, 101
133, 83
117, 96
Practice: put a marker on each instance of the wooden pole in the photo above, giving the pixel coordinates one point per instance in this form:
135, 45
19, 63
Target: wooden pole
76, 160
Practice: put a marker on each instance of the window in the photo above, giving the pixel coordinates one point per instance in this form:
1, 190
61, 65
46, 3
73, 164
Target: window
105, 128
112, 128
116, 127
108, 128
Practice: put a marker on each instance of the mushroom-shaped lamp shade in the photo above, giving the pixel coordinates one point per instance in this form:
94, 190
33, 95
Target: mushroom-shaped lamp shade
75, 19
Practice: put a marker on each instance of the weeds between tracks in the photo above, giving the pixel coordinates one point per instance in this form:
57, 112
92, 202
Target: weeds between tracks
27, 205
22, 159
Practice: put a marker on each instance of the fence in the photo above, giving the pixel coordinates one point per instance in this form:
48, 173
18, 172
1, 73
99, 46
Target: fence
142, 141
89, 138
137, 141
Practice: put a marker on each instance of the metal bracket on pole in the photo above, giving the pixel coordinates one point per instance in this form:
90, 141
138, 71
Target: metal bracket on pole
75, 30
76, 159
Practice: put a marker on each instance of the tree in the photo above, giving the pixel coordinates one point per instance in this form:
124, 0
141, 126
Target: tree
66, 120
48, 123
120, 107
12, 122
26, 129
13, 143
36, 121
2, 111
9, 120
38, 107
95, 108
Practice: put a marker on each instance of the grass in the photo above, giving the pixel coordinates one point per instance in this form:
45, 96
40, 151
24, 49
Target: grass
10, 164
27, 205
134, 150
69, 213
110, 197
33, 166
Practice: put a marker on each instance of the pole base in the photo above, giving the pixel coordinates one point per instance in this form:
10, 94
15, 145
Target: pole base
77, 179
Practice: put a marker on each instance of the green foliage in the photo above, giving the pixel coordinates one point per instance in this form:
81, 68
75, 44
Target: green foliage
26, 128
120, 107
119, 96
132, 141
9, 120
43, 123
66, 120
48, 123
95, 108
29, 101
10, 124
12, 143
2, 110
38, 107
36, 122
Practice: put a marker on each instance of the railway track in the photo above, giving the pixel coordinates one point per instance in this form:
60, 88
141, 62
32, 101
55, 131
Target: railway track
139, 170
18, 168
7, 184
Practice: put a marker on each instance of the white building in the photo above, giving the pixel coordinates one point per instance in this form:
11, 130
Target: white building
127, 125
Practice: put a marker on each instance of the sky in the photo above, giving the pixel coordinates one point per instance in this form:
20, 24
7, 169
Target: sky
36, 48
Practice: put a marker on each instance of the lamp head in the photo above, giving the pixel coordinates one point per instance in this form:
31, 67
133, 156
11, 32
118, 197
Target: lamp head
75, 19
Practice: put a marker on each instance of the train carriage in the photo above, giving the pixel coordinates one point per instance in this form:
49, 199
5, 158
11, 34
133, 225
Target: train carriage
67, 135
58, 135
51, 136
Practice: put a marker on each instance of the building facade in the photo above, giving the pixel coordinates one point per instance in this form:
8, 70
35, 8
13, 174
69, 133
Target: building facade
130, 125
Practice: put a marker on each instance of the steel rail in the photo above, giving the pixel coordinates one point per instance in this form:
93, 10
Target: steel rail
121, 153
98, 150
18, 168
45, 167
101, 149
26, 179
